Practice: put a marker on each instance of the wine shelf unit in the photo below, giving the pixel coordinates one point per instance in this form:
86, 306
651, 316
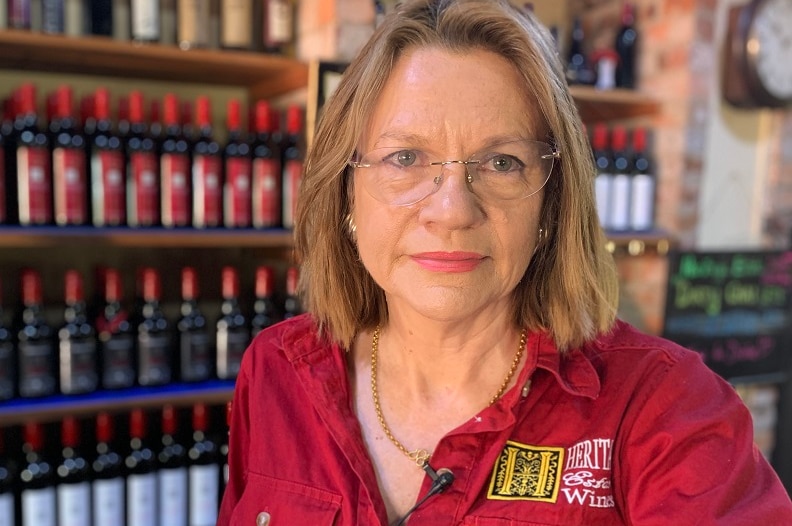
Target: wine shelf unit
263, 75
597, 105
52, 236
52, 408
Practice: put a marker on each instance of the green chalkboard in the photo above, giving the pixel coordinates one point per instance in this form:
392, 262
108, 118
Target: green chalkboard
734, 308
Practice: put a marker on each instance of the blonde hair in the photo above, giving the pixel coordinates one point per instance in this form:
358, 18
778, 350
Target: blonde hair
570, 286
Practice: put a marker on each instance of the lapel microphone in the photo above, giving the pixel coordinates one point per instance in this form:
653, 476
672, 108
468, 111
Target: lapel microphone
441, 481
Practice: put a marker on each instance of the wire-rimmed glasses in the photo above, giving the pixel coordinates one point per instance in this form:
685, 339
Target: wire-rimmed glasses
403, 176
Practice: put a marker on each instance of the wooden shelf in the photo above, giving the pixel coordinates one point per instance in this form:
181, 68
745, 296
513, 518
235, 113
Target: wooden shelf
51, 236
53, 408
264, 75
639, 243
616, 104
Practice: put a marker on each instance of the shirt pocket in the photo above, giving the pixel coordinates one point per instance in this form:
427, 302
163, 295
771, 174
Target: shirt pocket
285, 503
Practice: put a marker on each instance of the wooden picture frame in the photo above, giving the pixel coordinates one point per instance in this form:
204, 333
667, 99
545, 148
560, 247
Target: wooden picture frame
323, 78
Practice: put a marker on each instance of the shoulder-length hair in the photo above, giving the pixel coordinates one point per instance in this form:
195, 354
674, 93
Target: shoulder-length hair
570, 287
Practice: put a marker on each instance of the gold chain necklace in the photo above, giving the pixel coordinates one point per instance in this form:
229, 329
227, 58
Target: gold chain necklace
421, 456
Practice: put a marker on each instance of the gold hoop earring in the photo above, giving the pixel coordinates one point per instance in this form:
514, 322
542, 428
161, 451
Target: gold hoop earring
351, 226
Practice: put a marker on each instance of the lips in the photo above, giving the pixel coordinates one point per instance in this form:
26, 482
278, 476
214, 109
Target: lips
448, 261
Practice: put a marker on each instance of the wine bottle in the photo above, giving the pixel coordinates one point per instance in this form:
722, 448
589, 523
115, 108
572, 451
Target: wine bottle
224, 446
122, 16
603, 184
143, 166
266, 170
52, 17
36, 480
292, 163
74, 13
107, 487
107, 166
36, 348
101, 17
153, 340
33, 165
233, 335
292, 306
207, 169
145, 20
642, 198
264, 310
236, 31
77, 341
622, 181
193, 23
74, 489
167, 20
116, 343
578, 69
238, 167
204, 472
69, 173
278, 25
19, 14
174, 168
195, 356
7, 359
141, 482
171, 473
6, 126
8, 486
626, 47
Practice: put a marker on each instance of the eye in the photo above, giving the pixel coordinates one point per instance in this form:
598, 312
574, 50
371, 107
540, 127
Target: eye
403, 158
501, 162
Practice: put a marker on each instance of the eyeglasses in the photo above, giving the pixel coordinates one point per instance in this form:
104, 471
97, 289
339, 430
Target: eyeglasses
404, 176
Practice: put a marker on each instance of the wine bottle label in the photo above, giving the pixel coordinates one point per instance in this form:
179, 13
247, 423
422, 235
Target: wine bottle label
74, 504
172, 496
195, 356
36, 360
108, 501
204, 493
193, 23
154, 367
266, 193
226, 473
207, 191
143, 192
118, 370
175, 189
7, 368
74, 18
7, 515
279, 22
602, 191
292, 175
78, 366
620, 205
34, 185
38, 507
237, 195
145, 20
107, 188
52, 16
231, 345
236, 30
642, 202
71, 188
141, 499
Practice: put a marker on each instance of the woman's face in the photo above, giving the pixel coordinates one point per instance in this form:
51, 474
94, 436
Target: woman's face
453, 254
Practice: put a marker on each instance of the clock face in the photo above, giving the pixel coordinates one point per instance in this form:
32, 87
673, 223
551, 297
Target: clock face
770, 45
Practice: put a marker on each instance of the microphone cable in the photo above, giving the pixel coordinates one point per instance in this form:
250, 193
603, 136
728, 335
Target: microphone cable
441, 480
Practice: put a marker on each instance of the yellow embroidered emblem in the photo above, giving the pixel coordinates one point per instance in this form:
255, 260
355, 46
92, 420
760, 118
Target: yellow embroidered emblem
524, 472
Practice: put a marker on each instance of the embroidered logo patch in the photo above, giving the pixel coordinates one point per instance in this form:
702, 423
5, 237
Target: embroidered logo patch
524, 472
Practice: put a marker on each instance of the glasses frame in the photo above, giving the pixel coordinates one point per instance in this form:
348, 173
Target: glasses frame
553, 156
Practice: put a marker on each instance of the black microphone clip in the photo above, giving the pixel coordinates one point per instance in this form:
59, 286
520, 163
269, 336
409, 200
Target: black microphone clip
441, 479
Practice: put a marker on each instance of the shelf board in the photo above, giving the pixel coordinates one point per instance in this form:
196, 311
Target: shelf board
615, 104
53, 408
51, 236
639, 243
266, 75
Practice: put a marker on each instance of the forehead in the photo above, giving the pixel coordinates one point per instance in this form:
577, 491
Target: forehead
452, 98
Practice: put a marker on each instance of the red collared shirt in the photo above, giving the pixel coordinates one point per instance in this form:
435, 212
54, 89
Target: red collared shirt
630, 429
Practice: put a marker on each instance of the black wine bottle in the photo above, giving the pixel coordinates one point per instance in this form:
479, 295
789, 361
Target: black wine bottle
77, 341
36, 480
192, 332
153, 334
36, 347
171, 473
141, 482
73, 478
204, 471
116, 341
264, 311
233, 335
7, 358
107, 486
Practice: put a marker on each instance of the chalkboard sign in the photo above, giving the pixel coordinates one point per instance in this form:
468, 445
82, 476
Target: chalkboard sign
735, 308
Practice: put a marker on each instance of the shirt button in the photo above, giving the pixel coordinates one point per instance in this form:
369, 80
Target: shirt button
263, 519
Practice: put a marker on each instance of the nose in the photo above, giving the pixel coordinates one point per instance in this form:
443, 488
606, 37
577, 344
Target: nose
452, 204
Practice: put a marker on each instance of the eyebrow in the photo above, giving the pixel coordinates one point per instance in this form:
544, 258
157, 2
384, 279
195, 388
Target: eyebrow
411, 139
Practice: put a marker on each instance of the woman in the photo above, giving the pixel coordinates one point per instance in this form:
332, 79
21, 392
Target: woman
461, 362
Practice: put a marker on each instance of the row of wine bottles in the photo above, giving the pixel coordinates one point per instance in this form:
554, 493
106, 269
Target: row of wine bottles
626, 179
169, 171
176, 480
257, 25
111, 346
